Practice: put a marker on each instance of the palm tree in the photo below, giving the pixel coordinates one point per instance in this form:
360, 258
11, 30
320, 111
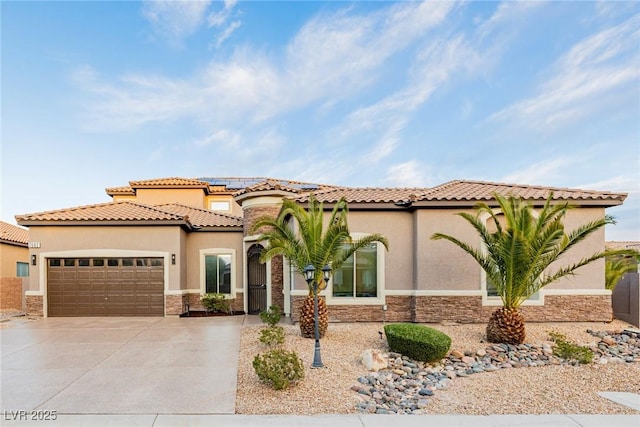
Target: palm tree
311, 244
516, 257
616, 266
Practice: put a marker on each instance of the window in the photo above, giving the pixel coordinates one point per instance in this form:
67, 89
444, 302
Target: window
358, 276
54, 262
98, 263
83, 262
127, 262
220, 205
22, 269
112, 262
69, 262
218, 273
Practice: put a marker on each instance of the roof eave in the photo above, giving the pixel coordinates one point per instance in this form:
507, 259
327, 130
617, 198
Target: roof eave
536, 202
32, 222
14, 243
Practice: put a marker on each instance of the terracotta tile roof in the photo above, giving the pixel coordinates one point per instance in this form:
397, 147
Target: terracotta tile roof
169, 182
365, 195
13, 234
202, 217
114, 211
482, 191
269, 184
120, 191
622, 245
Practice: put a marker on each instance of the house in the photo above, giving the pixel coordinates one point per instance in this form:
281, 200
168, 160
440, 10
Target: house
14, 265
161, 243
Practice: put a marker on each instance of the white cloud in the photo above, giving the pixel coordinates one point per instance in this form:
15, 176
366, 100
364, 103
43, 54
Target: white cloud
437, 61
218, 19
546, 172
605, 64
407, 174
224, 137
226, 33
331, 57
175, 19
509, 13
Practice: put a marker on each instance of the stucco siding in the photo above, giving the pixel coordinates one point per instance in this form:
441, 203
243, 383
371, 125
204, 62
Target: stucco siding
210, 240
590, 276
10, 255
441, 264
190, 197
397, 227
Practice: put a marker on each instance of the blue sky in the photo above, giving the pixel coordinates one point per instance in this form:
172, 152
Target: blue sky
95, 94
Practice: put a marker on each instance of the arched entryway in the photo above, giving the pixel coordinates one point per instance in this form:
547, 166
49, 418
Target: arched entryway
256, 280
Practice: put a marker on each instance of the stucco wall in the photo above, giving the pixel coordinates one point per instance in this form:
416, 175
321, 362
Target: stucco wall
190, 197
10, 255
442, 265
208, 240
75, 241
397, 227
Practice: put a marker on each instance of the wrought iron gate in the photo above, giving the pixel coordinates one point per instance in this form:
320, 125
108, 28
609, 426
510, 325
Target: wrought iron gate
257, 280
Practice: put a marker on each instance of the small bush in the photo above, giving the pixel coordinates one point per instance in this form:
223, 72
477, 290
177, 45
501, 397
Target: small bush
279, 368
570, 351
417, 342
271, 316
272, 336
216, 303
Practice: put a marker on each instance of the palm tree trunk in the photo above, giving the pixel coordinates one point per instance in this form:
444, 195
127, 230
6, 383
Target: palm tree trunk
506, 326
307, 323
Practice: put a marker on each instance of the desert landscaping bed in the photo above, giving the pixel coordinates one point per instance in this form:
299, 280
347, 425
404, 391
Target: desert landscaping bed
556, 389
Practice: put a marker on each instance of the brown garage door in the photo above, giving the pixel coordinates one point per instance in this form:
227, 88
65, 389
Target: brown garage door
105, 286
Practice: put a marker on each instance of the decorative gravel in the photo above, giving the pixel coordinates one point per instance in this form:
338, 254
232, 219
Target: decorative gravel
525, 380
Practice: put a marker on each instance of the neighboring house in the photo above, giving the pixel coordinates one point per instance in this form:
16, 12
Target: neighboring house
162, 243
14, 265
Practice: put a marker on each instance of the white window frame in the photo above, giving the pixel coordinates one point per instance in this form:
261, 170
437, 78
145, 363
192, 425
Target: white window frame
496, 301
354, 300
227, 209
203, 269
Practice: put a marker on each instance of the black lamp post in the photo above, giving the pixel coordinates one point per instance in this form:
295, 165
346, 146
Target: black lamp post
309, 276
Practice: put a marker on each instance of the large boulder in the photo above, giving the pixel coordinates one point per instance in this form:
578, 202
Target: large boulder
374, 360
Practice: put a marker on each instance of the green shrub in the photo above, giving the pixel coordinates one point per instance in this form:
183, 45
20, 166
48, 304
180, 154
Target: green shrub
216, 303
417, 342
570, 351
271, 316
272, 336
279, 368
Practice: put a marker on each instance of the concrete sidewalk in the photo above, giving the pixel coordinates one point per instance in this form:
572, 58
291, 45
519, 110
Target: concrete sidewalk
151, 420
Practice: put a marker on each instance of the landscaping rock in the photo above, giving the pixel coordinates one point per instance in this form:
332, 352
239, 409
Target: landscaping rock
402, 385
374, 360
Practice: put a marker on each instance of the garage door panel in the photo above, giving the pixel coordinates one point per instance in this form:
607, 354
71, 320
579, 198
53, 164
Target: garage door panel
118, 287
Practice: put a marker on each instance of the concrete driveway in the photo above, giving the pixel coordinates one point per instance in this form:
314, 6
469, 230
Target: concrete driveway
120, 365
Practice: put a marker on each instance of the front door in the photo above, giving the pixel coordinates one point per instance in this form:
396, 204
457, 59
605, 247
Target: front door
257, 280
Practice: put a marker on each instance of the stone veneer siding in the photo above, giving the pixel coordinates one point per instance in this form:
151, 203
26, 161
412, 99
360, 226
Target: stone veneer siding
251, 215
467, 309
174, 304
34, 305
277, 282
